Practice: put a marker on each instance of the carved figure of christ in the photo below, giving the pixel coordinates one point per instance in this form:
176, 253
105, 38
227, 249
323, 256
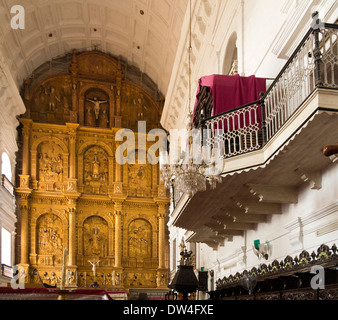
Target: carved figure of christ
97, 103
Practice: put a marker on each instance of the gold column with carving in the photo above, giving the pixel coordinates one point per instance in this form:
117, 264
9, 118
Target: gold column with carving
118, 269
72, 235
25, 176
118, 234
161, 238
24, 192
118, 186
72, 198
24, 207
72, 156
161, 271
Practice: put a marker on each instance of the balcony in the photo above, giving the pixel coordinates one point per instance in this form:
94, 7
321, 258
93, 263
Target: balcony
270, 147
7, 185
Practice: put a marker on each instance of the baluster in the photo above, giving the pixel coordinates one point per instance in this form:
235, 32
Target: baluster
317, 53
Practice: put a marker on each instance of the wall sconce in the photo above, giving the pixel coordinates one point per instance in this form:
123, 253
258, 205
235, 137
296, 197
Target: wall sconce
262, 249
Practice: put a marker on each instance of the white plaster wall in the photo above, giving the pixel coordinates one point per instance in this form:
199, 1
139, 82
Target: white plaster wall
318, 213
11, 105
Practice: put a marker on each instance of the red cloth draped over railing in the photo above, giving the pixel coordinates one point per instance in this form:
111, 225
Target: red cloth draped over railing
230, 92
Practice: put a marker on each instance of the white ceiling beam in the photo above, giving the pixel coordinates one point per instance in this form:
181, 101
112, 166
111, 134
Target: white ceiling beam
256, 207
312, 177
274, 193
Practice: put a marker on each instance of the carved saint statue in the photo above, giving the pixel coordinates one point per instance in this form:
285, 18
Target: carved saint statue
97, 103
89, 117
95, 168
96, 242
53, 99
104, 119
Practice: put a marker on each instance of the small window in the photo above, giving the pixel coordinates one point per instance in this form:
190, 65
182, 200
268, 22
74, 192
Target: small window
6, 166
6, 247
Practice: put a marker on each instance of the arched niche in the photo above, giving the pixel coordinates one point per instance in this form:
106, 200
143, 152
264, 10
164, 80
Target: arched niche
231, 56
95, 167
96, 106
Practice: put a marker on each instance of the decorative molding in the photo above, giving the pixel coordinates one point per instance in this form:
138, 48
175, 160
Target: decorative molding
327, 228
293, 25
297, 228
313, 216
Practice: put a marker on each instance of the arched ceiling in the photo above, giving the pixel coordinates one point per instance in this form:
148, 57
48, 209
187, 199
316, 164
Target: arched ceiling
145, 33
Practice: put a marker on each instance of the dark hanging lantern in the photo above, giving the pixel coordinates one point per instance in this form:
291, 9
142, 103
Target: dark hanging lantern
185, 280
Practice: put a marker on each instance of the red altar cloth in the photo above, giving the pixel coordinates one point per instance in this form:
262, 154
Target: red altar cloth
7, 293
230, 92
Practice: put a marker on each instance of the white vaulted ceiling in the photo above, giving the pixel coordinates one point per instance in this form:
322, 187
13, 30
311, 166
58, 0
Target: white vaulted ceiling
145, 33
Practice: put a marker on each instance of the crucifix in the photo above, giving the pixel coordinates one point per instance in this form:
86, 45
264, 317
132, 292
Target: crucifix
97, 104
94, 262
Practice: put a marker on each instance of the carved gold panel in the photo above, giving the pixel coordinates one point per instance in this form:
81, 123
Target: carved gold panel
50, 166
50, 239
95, 237
96, 170
137, 105
140, 279
140, 239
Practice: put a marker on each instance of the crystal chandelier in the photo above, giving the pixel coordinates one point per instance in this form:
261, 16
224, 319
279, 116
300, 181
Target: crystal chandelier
188, 178
186, 174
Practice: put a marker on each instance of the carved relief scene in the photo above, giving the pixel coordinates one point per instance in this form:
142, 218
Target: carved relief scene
136, 106
51, 100
50, 239
139, 179
50, 166
140, 239
96, 170
138, 176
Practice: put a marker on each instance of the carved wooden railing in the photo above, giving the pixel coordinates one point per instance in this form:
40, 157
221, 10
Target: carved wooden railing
289, 279
314, 64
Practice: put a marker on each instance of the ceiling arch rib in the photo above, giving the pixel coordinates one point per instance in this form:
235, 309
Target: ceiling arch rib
144, 32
